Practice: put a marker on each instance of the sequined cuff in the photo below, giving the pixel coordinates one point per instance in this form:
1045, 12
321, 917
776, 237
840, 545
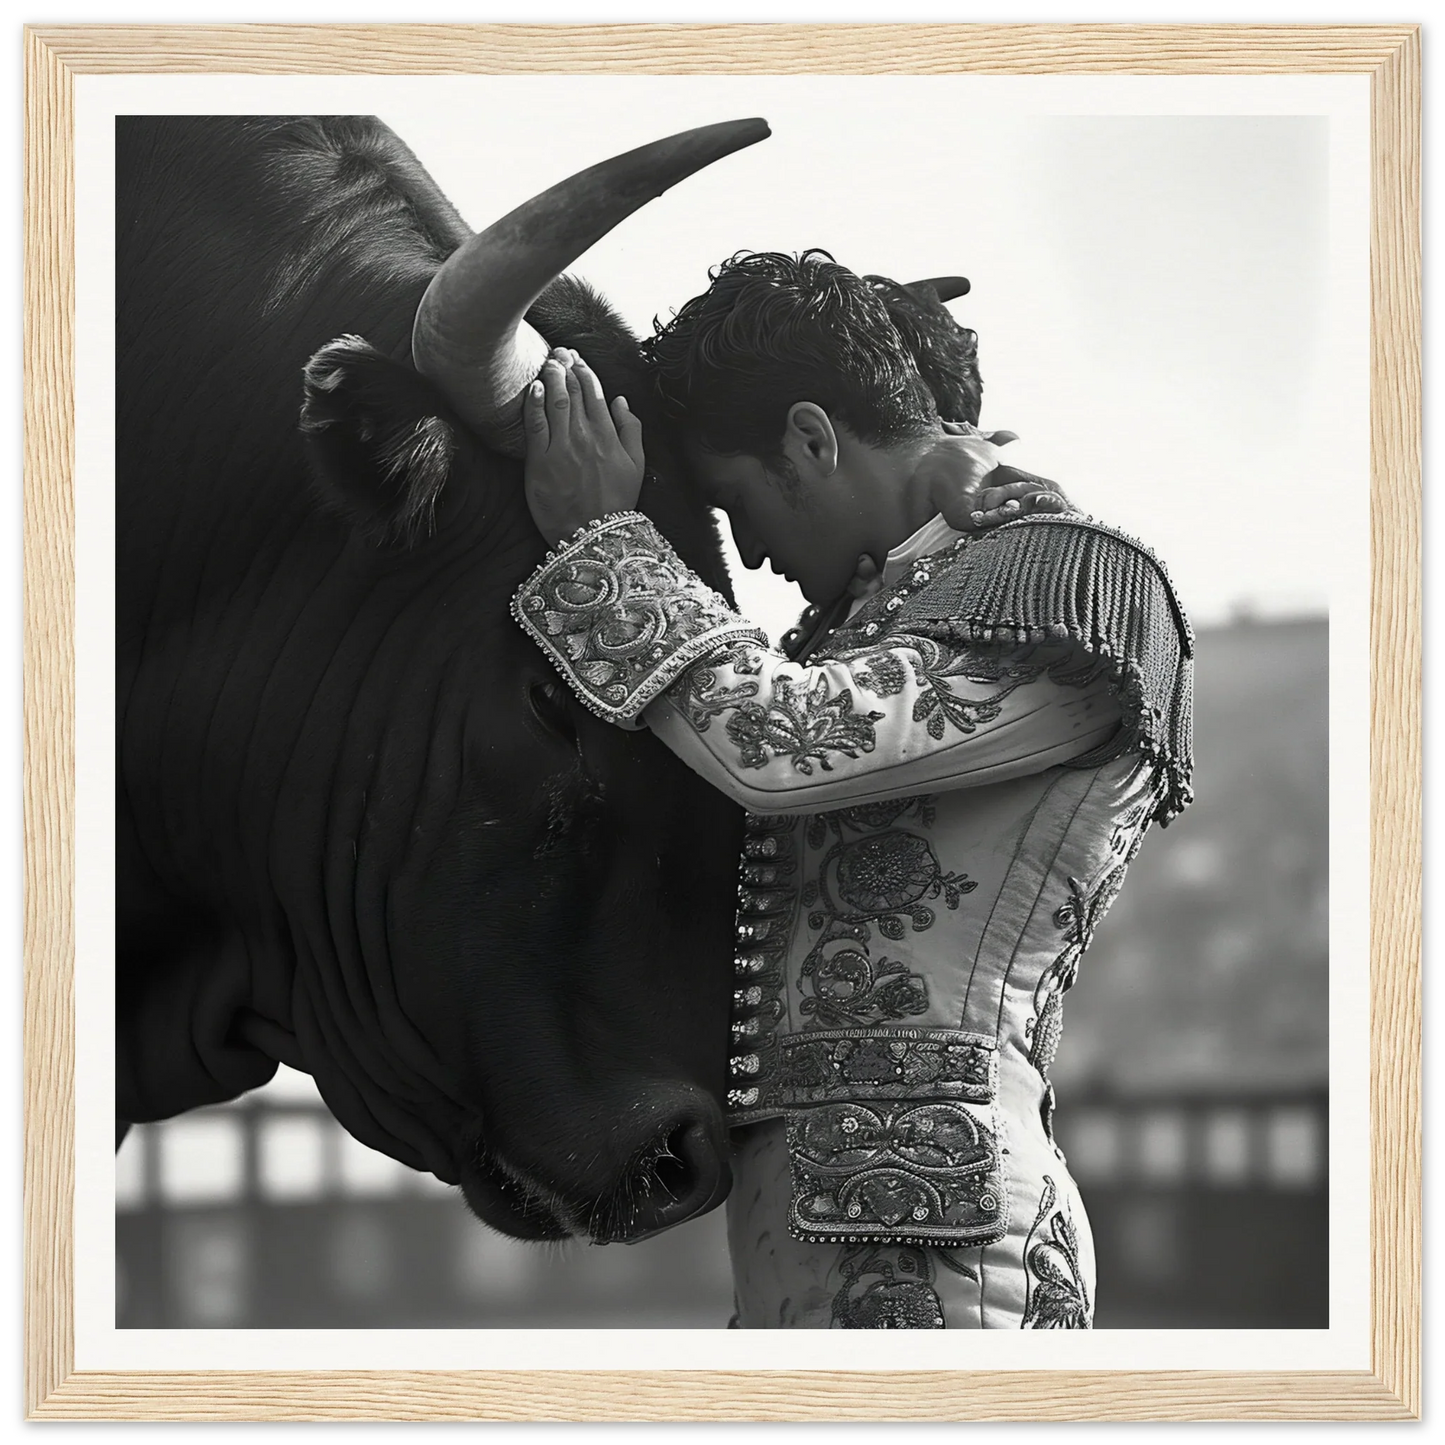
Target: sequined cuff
621, 615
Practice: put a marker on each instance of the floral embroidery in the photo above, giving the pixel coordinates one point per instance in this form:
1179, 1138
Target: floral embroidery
889, 873
1057, 1299
887, 1287
803, 724
800, 722
699, 694
882, 674
879, 879
850, 988
621, 615
1077, 918
938, 705
881, 1170
935, 664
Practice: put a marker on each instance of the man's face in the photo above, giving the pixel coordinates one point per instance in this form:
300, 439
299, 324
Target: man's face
811, 533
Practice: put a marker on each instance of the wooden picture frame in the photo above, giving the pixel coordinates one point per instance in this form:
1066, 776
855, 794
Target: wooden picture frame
1390, 1388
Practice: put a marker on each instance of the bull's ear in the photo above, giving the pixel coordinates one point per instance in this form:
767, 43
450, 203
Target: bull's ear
381, 440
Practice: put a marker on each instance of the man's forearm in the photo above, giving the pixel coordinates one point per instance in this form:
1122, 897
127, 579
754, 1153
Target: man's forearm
631, 628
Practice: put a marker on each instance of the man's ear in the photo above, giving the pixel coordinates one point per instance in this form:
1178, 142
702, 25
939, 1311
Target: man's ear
380, 438
809, 440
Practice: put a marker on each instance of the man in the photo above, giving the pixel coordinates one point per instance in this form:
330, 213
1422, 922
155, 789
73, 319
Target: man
944, 789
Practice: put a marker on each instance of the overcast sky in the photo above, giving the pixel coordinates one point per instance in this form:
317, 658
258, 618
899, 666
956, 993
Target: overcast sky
1148, 290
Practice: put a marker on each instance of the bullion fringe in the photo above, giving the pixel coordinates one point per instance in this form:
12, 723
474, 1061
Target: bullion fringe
1049, 577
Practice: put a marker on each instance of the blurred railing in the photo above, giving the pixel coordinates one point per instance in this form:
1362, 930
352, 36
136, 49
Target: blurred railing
266, 1213
1205, 1212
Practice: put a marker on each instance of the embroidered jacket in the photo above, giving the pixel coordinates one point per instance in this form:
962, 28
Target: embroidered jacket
943, 799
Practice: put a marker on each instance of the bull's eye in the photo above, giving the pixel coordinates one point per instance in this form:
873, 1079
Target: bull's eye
549, 703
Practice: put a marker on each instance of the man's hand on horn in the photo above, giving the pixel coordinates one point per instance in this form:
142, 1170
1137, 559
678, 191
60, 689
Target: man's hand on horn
584, 458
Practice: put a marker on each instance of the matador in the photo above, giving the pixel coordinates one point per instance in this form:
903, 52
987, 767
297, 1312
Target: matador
946, 776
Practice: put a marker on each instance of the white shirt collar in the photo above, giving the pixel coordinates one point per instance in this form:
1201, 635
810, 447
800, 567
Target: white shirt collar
930, 537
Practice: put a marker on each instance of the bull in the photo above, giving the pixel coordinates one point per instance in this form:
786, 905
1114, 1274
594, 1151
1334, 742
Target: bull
361, 828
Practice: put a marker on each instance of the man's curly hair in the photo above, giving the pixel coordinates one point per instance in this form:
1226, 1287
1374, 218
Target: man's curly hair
774, 329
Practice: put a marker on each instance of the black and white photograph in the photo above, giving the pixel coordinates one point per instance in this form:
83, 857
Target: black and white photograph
723, 702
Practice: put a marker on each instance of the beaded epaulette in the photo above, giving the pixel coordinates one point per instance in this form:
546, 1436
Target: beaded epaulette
1049, 578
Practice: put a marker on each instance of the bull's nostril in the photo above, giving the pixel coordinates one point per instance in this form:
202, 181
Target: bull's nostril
668, 1174
682, 1175
670, 1170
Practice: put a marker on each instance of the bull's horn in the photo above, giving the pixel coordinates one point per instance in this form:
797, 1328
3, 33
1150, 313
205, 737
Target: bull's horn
946, 288
469, 336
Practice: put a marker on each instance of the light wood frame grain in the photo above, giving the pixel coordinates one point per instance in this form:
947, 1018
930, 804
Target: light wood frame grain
1390, 1389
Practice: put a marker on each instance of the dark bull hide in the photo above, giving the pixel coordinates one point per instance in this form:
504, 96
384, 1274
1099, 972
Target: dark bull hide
361, 828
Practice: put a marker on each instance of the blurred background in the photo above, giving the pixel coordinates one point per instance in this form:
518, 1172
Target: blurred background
1192, 1086
1158, 303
